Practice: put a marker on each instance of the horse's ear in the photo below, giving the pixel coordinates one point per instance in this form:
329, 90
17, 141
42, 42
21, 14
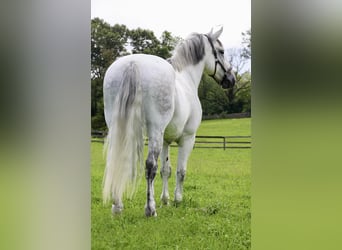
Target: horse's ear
217, 34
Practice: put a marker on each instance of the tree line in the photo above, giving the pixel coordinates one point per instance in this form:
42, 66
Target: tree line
110, 42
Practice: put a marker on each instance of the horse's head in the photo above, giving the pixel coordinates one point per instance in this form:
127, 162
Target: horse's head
219, 68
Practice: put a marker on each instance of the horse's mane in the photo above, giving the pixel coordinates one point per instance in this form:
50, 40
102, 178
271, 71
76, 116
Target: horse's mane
188, 52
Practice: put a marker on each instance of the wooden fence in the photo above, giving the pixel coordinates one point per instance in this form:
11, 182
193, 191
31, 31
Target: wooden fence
222, 142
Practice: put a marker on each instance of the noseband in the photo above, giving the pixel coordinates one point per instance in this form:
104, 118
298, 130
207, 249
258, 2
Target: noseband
217, 61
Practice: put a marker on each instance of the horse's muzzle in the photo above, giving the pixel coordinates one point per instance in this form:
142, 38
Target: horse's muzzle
228, 81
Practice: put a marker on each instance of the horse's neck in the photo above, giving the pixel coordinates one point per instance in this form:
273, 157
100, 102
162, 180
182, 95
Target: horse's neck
192, 74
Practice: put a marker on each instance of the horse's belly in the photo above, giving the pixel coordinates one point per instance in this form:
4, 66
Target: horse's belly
172, 133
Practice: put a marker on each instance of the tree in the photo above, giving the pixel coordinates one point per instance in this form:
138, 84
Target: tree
167, 45
239, 97
246, 41
212, 97
107, 43
144, 41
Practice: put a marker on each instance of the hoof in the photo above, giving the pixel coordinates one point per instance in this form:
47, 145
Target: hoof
116, 209
149, 212
165, 203
165, 200
178, 198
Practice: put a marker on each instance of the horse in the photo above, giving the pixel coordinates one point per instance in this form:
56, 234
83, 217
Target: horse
148, 95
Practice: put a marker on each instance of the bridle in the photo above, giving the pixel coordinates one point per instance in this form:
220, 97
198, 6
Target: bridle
217, 61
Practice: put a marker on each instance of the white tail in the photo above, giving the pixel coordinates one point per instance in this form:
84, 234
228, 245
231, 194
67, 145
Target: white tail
124, 143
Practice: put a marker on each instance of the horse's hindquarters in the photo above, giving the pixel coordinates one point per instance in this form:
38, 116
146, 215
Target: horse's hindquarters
157, 79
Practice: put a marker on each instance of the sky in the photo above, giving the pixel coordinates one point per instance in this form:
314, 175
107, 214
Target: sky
180, 17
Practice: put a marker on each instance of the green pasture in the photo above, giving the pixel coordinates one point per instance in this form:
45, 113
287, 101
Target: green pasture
215, 212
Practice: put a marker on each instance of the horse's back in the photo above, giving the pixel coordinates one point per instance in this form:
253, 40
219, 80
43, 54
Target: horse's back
151, 68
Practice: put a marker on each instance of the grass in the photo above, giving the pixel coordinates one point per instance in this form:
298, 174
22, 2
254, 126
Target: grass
215, 212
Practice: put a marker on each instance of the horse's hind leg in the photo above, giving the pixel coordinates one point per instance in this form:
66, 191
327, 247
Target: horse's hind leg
154, 148
165, 173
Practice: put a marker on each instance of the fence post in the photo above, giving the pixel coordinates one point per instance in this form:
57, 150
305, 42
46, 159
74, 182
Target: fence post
224, 143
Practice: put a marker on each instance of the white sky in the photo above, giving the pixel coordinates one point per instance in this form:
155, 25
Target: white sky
180, 17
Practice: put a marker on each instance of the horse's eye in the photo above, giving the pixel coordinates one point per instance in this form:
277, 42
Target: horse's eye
221, 51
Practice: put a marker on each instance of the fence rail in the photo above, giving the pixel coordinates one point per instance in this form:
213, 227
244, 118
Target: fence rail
202, 141
237, 141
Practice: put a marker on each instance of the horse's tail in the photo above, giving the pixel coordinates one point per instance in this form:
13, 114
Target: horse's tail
124, 142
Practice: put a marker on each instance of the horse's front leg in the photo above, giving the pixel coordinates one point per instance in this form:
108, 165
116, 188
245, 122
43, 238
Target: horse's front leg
165, 173
185, 147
